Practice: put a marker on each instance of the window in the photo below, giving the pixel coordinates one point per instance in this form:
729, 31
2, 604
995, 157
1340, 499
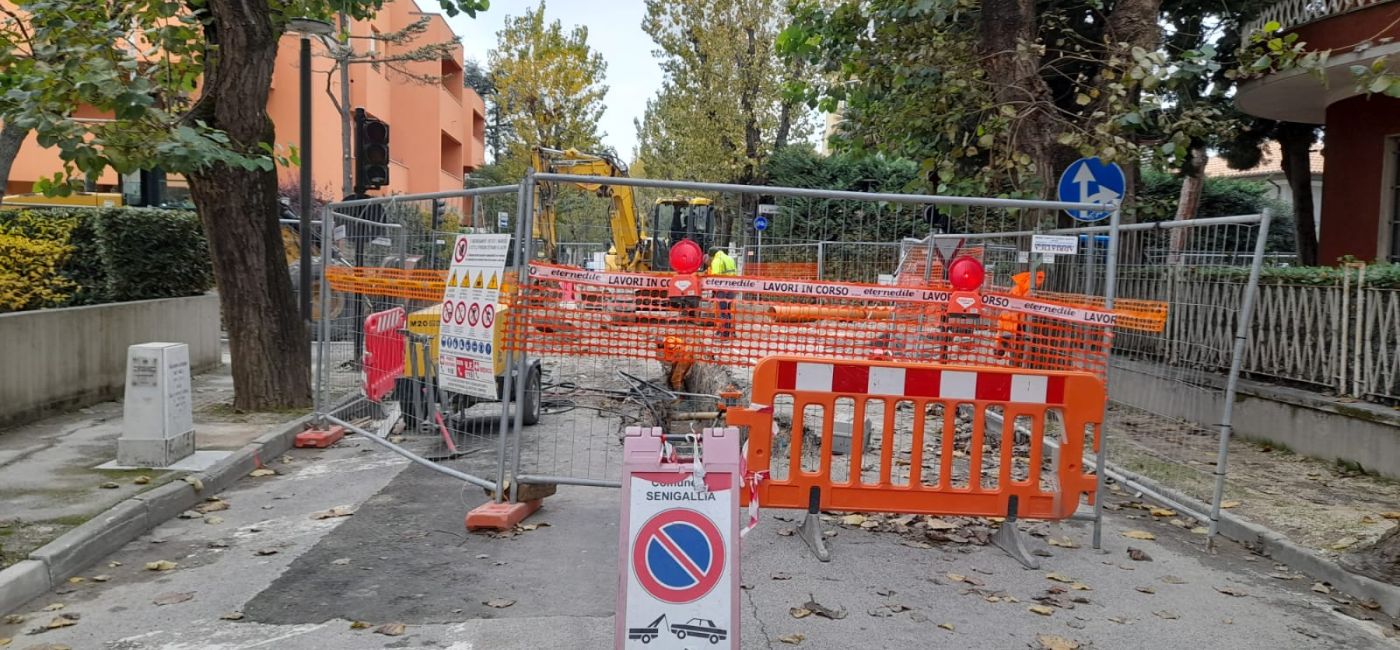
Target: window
1391, 202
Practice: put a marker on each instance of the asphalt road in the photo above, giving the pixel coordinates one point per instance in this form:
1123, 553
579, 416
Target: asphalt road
294, 581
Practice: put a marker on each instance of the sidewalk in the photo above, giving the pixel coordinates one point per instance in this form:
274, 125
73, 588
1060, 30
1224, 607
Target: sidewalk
48, 481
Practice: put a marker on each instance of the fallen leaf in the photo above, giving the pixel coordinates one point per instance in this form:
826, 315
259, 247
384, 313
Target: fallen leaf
1041, 609
53, 607
1172, 580
232, 616
1056, 642
956, 577
1283, 576
799, 612
1079, 586
261, 472
822, 610
1058, 577
884, 592
1146, 590
1162, 512
1229, 504
1062, 543
869, 524
109, 485
934, 523
141, 480
916, 544
853, 520
498, 603
392, 629
4, 641
1138, 555
1231, 591
946, 626
1120, 621
1138, 534
338, 511
1368, 519
213, 520
785, 532
265, 551
529, 527
214, 505
1167, 614
792, 639
359, 625
101, 578
1394, 514
880, 612
1200, 530
917, 617
161, 565
13, 619
189, 514
340, 561
1344, 543
173, 597
1321, 588
781, 576
62, 620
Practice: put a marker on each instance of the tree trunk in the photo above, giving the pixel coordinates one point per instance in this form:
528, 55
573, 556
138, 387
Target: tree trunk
1015, 75
11, 139
1295, 141
1379, 561
268, 342
1189, 200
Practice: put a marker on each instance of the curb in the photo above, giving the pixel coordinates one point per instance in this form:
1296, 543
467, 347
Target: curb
1273, 545
75, 550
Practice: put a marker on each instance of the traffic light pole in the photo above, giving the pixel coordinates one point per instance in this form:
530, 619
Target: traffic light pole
304, 285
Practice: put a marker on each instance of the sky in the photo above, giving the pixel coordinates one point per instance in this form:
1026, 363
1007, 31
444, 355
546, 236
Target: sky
614, 29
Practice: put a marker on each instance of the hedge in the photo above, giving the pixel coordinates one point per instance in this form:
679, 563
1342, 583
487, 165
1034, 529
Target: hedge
101, 255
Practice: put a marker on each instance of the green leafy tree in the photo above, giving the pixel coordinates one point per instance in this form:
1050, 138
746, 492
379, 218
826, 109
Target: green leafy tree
147, 57
723, 109
548, 88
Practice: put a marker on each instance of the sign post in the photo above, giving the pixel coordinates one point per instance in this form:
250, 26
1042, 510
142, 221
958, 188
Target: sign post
760, 224
466, 345
678, 558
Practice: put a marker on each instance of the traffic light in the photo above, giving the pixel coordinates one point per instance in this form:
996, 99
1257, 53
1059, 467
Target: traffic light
371, 152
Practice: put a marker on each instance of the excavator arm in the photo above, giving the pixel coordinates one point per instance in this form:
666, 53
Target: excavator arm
628, 231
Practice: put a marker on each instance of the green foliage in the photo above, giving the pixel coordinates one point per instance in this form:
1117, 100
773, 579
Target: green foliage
1378, 276
1220, 197
107, 255
817, 219
548, 87
150, 253
29, 273
724, 106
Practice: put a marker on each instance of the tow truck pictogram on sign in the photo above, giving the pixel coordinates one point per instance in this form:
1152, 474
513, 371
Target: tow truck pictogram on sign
678, 556
698, 628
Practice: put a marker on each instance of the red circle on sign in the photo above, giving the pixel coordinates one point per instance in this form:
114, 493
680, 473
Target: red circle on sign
447, 312
488, 316
654, 532
460, 253
461, 315
686, 256
474, 314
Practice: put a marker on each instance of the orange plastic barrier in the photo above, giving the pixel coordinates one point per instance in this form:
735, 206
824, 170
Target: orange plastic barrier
975, 476
782, 270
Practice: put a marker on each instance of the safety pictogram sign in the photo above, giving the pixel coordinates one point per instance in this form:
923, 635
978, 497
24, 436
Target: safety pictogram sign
679, 554
465, 301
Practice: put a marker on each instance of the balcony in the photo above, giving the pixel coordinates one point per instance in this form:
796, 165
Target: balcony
1357, 32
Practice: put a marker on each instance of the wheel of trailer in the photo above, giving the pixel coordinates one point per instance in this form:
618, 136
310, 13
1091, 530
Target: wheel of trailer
646, 638
532, 396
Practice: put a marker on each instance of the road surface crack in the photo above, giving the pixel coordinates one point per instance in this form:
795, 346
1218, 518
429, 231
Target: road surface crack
748, 593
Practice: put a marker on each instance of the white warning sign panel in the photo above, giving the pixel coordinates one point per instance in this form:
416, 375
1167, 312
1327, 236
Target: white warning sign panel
466, 344
679, 554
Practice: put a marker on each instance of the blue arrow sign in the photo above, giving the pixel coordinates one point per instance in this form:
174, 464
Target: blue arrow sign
1091, 180
760, 223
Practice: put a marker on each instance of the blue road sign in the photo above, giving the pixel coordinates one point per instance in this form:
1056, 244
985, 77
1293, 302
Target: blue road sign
1090, 180
760, 223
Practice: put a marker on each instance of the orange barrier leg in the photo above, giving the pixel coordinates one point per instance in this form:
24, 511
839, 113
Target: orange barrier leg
320, 438
501, 516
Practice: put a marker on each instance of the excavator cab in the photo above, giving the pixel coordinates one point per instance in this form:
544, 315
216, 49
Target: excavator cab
677, 219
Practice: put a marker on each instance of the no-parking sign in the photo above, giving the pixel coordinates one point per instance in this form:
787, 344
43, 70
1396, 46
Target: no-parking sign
679, 559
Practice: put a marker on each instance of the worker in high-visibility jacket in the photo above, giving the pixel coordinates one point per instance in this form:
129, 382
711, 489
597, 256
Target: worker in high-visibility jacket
720, 263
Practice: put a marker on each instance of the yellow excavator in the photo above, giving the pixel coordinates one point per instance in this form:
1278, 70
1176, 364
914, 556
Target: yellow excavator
634, 245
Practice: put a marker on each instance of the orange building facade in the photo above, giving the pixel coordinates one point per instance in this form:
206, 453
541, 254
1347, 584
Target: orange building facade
437, 130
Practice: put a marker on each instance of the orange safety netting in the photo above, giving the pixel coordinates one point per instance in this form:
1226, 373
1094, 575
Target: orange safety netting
628, 315
789, 270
